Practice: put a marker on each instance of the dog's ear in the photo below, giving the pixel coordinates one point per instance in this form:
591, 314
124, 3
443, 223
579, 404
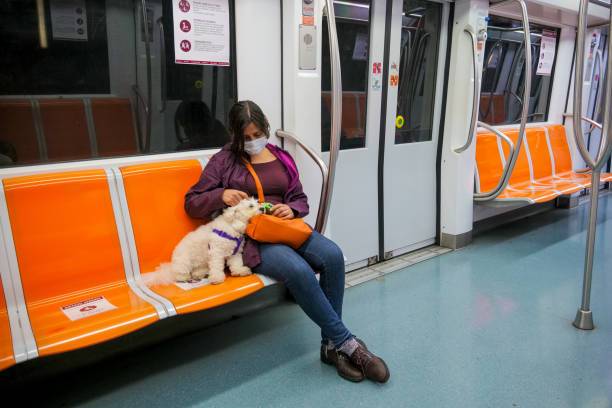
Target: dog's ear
229, 213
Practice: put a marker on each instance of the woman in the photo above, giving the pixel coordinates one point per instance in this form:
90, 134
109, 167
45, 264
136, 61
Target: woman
225, 181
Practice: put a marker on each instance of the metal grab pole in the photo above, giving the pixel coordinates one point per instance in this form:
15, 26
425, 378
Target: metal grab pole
584, 316
334, 142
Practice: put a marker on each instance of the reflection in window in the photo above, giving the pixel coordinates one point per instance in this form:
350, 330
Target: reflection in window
77, 89
502, 85
417, 71
353, 27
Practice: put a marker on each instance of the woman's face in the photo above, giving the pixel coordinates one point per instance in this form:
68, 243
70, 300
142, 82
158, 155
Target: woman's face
252, 132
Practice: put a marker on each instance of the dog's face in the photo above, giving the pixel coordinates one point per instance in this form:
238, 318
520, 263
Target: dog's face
244, 210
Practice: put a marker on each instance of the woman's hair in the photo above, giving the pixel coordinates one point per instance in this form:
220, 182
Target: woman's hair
240, 115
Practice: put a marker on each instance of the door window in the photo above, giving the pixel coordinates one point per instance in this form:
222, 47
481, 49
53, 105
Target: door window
353, 27
415, 73
502, 88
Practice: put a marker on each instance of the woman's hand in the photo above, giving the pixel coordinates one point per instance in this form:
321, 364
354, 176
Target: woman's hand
282, 211
232, 197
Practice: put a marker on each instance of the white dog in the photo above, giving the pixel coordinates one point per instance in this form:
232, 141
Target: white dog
204, 251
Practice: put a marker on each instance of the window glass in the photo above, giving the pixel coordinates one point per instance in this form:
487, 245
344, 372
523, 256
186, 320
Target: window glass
353, 27
502, 85
74, 83
417, 71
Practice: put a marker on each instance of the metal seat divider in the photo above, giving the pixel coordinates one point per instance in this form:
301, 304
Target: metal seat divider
163, 306
22, 336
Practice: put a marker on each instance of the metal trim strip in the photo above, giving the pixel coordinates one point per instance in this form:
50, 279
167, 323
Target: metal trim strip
124, 235
24, 343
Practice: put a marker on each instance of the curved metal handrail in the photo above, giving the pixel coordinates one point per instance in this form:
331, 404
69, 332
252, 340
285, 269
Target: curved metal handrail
162, 60
334, 142
511, 162
491, 195
476, 94
147, 40
587, 120
584, 316
322, 166
140, 100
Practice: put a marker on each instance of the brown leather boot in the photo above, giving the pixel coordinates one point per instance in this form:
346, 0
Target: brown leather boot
371, 366
346, 369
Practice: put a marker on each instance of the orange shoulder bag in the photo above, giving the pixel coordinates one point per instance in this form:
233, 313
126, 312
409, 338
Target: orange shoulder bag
270, 229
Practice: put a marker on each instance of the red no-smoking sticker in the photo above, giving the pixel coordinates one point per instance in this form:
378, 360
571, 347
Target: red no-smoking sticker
184, 6
87, 308
185, 45
185, 26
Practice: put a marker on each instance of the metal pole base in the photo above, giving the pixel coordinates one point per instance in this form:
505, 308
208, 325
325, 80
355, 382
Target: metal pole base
584, 320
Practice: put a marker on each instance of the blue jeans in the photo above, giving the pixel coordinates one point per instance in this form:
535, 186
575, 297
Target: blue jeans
322, 301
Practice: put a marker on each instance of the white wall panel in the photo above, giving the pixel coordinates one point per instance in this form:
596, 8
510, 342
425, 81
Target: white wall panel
258, 56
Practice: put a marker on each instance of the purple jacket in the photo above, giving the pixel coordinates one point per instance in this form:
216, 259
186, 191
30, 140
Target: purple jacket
223, 172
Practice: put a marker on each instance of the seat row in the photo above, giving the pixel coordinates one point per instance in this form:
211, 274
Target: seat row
57, 129
543, 170
75, 246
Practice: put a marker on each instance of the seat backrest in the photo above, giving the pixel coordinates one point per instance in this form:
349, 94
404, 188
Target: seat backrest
6, 344
65, 235
488, 161
155, 196
65, 128
17, 128
539, 152
114, 126
521, 172
495, 109
560, 148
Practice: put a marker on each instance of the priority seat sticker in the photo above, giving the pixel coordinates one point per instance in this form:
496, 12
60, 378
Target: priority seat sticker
87, 308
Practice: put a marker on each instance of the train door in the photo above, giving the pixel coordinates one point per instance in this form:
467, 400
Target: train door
392, 68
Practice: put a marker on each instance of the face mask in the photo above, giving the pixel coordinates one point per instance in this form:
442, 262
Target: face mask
254, 147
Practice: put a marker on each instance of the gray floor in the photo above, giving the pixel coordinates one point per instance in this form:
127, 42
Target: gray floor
485, 326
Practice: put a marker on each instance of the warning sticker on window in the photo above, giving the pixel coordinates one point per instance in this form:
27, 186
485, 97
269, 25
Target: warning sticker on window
548, 47
192, 284
201, 32
87, 308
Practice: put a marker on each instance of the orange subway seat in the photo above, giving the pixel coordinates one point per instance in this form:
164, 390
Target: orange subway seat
521, 173
488, 161
68, 252
7, 358
529, 194
542, 163
114, 126
17, 128
65, 129
563, 159
156, 195
521, 185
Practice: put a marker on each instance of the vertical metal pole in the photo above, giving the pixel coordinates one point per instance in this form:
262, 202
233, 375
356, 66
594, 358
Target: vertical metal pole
584, 316
334, 142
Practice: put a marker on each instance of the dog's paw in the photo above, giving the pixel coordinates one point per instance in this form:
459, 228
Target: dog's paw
241, 271
182, 277
216, 278
199, 272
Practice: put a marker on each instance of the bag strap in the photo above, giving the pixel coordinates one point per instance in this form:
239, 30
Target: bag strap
257, 182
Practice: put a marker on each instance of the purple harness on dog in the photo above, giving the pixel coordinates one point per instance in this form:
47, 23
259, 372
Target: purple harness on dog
228, 236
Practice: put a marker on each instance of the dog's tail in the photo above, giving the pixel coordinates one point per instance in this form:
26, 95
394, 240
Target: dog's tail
163, 275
